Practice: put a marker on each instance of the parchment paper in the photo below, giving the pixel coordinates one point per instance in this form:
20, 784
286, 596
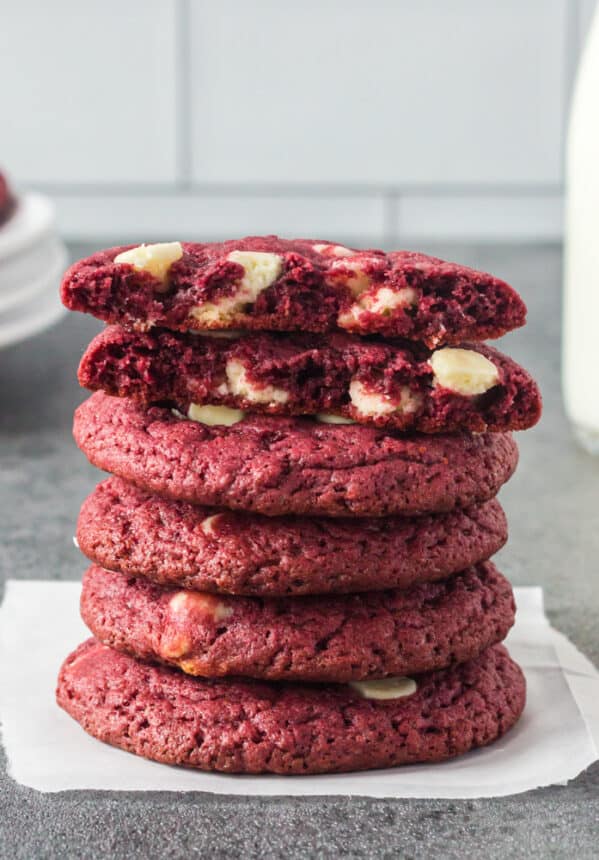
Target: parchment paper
554, 741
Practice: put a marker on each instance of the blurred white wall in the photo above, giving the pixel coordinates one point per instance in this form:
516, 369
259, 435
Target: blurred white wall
385, 121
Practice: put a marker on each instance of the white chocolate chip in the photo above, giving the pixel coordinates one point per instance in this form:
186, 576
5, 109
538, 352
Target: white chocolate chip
155, 259
211, 312
409, 401
182, 607
387, 688
333, 250
330, 418
239, 385
463, 370
213, 415
261, 270
372, 403
350, 316
385, 299
207, 524
382, 302
359, 282
222, 611
369, 402
175, 646
185, 603
178, 602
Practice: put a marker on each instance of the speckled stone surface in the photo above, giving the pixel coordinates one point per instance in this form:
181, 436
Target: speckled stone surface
553, 507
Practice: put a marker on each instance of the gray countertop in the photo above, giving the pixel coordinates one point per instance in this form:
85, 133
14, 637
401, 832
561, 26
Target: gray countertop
553, 507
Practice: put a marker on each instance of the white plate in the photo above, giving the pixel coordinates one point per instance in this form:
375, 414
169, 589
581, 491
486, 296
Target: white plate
33, 315
29, 263
30, 223
19, 284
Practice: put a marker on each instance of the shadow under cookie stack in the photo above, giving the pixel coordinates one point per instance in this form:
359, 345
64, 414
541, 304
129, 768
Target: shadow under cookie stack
290, 565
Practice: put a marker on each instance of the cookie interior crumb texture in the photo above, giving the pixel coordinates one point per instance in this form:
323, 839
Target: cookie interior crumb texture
268, 283
383, 383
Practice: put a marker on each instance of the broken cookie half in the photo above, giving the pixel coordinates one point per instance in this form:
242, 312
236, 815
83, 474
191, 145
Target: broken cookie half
272, 284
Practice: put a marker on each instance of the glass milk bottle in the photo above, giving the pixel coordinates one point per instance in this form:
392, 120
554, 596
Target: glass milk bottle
581, 273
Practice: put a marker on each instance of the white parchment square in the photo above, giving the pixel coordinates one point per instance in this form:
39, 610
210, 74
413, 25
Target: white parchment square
39, 625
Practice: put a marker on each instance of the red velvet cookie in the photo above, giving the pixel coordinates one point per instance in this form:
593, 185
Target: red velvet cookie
303, 285
351, 637
387, 384
276, 465
247, 726
124, 528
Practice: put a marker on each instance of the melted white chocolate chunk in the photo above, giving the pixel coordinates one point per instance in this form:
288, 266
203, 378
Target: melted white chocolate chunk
463, 370
333, 250
373, 403
213, 415
261, 270
387, 688
185, 606
331, 418
239, 385
175, 646
155, 259
207, 524
185, 603
182, 607
386, 300
358, 282
369, 402
353, 273
382, 302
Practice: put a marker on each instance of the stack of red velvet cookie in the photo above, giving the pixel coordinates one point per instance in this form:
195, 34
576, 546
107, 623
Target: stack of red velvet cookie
290, 561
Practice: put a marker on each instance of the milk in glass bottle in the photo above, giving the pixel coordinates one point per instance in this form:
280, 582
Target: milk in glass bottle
581, 274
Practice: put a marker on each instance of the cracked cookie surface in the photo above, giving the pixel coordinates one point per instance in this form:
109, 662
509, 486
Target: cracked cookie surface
278, 465
125, 528
383, 383
343, 638
268, 283
247, 726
